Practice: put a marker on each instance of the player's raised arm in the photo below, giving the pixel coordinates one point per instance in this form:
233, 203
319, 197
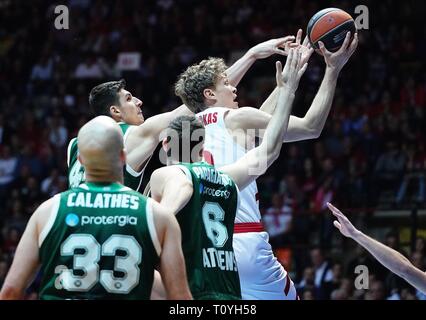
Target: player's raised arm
260, 51
312, 124
26, 259
172, 263
171, 188
390, 258
143, 139
256, 161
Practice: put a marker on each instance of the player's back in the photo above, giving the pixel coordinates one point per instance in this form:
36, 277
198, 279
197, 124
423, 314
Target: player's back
221, 148
207, 224
76, 174
99, 243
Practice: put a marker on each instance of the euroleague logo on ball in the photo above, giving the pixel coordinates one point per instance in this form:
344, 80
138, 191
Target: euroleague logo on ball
331, 20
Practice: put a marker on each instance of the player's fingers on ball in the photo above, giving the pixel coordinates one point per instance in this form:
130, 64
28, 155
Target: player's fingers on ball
322, 48
306, 42
354, 43
346, 41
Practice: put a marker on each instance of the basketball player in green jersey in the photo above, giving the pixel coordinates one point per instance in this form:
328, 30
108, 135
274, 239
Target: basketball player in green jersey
100, 240
142, 137
205, 199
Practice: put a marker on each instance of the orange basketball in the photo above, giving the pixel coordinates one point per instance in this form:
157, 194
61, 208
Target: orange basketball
330, 26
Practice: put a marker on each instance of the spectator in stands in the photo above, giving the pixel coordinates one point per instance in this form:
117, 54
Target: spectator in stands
376, 291
8, 166
390, 167
323, 274
277, 221
52, 184
415, 169
307, 283
43, 70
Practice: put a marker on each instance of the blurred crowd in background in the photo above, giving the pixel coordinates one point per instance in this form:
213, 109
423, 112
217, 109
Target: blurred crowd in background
370, 156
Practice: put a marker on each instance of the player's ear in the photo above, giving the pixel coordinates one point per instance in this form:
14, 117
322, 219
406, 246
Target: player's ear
208, 94
165, 144
115, 112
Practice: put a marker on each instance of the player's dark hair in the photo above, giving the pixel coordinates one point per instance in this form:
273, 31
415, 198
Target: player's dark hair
105, 95
182, 131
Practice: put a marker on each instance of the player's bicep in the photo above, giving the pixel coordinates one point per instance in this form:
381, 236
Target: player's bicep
157, 184
177, 190
26, 260
172, 263
140, 144
171, 187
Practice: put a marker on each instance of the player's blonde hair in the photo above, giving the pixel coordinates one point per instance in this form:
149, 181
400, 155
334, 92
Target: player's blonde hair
196, 78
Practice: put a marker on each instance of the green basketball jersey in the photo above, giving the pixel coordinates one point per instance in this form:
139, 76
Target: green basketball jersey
100, 243
76, 175
207, 225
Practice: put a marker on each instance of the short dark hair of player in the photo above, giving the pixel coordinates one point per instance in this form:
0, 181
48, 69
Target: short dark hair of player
105, 95
185, 137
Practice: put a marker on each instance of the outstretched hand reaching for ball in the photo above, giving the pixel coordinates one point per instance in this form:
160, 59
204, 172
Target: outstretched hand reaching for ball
305, 47
336, 60
293, 70
342, 223
274, 46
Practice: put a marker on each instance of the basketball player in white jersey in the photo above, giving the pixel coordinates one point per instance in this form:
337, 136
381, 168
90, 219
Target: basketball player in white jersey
142, 137
230, 133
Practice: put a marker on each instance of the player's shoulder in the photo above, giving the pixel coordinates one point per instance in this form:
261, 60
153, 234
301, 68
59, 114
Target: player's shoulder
45, 209
167, 171
235, 118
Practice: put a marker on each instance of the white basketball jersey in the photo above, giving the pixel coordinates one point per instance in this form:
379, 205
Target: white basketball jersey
220, 149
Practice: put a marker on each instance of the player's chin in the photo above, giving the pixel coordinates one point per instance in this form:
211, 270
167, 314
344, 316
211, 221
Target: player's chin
141, 118
235, 104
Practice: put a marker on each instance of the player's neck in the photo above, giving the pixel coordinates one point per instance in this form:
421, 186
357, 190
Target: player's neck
104, 178
217, 105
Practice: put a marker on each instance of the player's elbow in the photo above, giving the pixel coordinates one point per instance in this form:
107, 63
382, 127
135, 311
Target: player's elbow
311, 130
274, 152
314, 133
